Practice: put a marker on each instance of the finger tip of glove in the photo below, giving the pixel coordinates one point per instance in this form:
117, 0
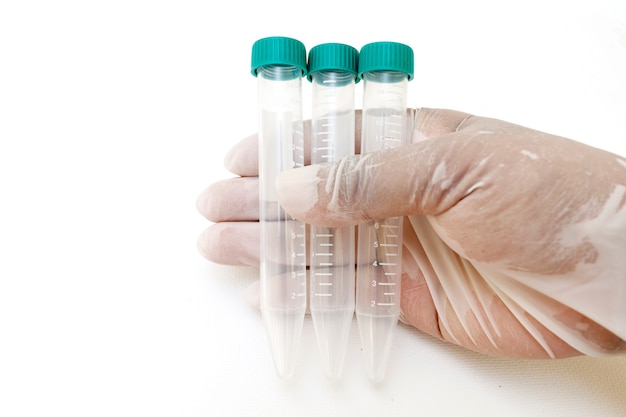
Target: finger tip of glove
242, 159
297, 190
201, 245
209, 246
208, 203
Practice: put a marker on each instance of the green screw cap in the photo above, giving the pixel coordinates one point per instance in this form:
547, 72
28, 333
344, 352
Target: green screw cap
278, 50
386, 56
333, 56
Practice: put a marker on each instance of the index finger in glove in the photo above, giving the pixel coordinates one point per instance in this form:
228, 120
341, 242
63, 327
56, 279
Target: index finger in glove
243, 158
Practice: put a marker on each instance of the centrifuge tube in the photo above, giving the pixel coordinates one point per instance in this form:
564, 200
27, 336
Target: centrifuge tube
279, 64
385, 68
333, 73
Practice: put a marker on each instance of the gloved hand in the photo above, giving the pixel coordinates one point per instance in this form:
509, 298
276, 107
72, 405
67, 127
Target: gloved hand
514, 241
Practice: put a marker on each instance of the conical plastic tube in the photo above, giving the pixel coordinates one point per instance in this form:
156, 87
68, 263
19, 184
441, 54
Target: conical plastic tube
385, 68
332, 71
279, 64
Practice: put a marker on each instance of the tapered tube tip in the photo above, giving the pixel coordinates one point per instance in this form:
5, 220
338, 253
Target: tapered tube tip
376, 340
283, 330
332, 328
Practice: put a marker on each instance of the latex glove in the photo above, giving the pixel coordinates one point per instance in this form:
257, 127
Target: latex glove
514, 242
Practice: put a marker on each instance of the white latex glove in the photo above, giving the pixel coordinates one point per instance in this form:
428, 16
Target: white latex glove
514, 241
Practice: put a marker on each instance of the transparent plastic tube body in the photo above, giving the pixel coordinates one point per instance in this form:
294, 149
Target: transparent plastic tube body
283, 241
332, 272
379, 256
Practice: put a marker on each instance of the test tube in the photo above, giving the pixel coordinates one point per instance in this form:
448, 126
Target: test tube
279, 64
333, 73
385, 68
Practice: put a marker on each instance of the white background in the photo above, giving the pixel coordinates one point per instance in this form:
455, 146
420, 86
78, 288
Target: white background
115, 115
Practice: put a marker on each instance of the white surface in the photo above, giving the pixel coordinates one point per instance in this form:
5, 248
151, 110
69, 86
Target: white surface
115, 115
